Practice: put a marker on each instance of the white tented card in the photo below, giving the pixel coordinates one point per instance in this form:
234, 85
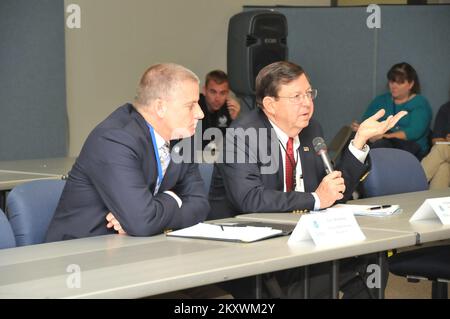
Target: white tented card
327, 229
433, 208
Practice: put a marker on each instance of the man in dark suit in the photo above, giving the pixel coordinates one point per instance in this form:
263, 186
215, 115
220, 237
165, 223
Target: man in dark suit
294, 178
285, 107
124, 179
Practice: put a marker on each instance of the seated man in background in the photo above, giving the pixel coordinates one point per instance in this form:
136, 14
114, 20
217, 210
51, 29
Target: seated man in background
219, 108
437, 163
124, 180
284, 98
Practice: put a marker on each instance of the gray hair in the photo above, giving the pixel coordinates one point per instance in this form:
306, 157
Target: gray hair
161, 80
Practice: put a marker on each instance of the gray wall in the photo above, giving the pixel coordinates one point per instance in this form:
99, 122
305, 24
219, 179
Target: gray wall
32, 79
119, 39
347, 62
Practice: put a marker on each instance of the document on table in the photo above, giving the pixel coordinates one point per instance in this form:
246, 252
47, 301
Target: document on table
245, 234
368, 210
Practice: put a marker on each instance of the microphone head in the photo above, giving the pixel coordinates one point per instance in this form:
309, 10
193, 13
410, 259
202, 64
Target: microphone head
319, 144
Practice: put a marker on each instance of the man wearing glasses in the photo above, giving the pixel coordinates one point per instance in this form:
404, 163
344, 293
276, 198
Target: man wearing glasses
285, 106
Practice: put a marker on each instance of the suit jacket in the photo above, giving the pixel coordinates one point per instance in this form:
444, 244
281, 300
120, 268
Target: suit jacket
117, 172
238, 188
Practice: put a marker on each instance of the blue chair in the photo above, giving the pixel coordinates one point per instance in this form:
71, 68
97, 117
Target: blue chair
206, 170
393, 171
396, 171
30, 208
7, 239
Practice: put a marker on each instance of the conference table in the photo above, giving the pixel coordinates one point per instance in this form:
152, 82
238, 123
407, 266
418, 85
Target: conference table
59, 166
13, 173
8, 180
116, 266
424, 230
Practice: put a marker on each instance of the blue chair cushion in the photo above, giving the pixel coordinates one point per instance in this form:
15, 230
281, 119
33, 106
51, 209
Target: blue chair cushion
7, 239
393, 171
206, 170
31, 207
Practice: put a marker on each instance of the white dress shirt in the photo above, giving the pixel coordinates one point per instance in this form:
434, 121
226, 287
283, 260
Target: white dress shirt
361, 155
160, 143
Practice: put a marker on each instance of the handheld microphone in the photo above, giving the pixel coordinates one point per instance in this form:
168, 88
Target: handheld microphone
321, 149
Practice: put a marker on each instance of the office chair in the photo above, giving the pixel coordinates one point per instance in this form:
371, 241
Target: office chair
30, 208
430, 263
206, 170
7, 239
339, 141
393, 171
396, 171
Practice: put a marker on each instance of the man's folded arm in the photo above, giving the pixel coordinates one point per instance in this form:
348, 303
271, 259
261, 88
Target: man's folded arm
190, 189
116, 172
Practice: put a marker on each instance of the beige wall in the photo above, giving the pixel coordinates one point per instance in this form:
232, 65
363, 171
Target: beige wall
119, 39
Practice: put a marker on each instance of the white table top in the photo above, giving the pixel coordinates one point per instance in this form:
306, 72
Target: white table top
128, 267
51, 166
429, 230
8, 180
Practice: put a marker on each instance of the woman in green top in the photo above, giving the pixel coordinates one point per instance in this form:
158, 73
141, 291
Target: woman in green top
411, 132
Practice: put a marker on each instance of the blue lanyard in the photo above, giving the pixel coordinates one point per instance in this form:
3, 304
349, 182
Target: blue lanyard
158, 161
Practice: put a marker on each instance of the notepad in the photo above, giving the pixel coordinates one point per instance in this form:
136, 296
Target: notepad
286, 229
364, 210
245, 234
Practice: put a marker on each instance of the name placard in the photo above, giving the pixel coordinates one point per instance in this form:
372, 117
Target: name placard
327, 229
434, 208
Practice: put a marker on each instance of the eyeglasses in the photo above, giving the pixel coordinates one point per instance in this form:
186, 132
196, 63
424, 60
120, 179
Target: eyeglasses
296, 99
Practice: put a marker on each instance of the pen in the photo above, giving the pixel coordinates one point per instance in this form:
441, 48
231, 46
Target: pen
380, 207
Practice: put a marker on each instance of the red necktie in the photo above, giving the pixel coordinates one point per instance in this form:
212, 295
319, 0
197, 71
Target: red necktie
290, 162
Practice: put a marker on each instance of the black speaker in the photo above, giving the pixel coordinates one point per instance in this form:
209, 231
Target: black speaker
255, 39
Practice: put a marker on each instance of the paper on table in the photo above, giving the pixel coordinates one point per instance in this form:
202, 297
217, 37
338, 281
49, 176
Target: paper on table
228, 233
363, 210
